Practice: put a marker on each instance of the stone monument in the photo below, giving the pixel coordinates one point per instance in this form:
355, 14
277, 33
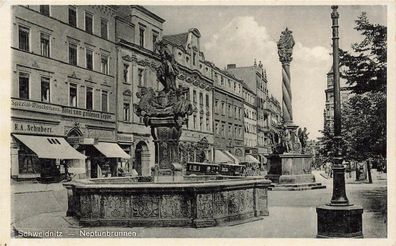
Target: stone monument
289, 165
165, 111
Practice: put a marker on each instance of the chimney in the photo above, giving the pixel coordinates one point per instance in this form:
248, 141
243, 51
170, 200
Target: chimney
231, 66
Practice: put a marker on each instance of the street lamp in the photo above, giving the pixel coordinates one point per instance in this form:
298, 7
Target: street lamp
339, 218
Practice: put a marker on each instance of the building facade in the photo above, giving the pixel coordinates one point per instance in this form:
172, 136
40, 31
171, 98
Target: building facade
256, 79
250, 121
137, 29
63, 72
197, 141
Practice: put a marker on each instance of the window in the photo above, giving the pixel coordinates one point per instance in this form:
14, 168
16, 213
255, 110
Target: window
140, 76
45, 89
89, 98
104, 64
89, 59
73, 54
44, 9
24, 38
44, 43
72, 16
207, 124
207, 100
222, 80
88, 22
24, 86
103, 28
155, 37
73, 95
104, 101
141, 36
195, 122
194, 96
223, 108
127, 112
126, 73
201, 123
194, 58
201, 98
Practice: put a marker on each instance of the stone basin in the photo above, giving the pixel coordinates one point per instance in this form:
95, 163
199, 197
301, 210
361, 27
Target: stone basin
195, 201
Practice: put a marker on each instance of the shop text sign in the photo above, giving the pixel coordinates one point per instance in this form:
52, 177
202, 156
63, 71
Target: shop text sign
60, 110
36, 128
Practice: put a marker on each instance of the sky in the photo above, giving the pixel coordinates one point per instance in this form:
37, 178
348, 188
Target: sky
240, 34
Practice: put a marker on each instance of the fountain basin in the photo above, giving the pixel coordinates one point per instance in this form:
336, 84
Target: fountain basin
194, 203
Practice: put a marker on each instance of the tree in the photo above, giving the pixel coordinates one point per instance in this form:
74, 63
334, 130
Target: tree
365, 68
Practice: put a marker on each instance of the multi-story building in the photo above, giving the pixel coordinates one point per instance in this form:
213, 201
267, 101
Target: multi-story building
256, 79
63, 87
136, 31
328, 113
250, 120
228, 115
196, 142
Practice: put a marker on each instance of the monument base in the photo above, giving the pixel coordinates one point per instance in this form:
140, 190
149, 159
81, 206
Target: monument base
339, 221
292, 171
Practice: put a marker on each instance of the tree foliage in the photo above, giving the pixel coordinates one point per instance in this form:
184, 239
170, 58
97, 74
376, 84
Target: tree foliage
365, 68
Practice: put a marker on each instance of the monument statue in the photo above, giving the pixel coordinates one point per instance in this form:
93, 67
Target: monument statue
303, 136
168, 70
165, 111
285, 46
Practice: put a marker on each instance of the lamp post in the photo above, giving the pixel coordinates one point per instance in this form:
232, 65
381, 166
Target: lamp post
339, 218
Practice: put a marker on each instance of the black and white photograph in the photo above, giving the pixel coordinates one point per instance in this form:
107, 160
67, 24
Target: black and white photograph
199, 120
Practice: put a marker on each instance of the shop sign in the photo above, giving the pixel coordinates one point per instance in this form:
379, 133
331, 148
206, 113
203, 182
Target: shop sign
124, 138
62, 110
36, 128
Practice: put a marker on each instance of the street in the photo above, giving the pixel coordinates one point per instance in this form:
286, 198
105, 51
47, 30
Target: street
292, 214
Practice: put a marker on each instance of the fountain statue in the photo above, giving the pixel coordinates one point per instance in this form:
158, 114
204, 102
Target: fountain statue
165, 111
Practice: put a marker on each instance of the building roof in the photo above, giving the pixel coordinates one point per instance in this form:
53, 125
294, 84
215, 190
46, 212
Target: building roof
177, 39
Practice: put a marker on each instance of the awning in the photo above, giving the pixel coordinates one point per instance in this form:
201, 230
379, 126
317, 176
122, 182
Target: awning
251, 159
111, 150
234, 159
50, 147
221, 157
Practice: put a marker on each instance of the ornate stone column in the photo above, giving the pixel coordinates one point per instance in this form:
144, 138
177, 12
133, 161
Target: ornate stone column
285, 49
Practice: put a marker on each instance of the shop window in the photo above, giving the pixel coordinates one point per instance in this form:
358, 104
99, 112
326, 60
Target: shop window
103, 28
89, 98
28, 163
89, 59
104, 101
105, 64
23, 38
73, 95
88, 22
72, 16
24, 86
45, 89
45, 44
127, 112
73, 54
44, 9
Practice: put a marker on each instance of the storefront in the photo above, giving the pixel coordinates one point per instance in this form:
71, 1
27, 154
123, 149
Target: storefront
103, 159
43, 157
